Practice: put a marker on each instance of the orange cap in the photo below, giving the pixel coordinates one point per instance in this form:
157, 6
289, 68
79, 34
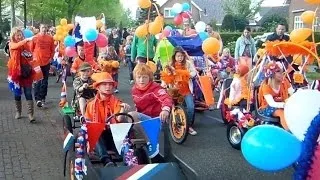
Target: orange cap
102, 77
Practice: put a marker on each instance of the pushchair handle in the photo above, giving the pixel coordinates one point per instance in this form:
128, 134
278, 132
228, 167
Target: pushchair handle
119, 114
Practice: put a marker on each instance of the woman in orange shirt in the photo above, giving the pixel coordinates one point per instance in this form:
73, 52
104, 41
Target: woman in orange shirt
180, 62
20, 71
273, 92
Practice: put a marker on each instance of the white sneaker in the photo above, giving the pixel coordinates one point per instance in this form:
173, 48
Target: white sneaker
192, 131
116, 91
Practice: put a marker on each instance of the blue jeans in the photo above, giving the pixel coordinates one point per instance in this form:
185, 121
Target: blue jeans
188, 99
27, 93
41, 87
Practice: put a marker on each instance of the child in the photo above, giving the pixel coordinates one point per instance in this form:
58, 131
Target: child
150, 99
112, 55
239, 88
81, 85
103, 106
273, 92
180, 62
131, 64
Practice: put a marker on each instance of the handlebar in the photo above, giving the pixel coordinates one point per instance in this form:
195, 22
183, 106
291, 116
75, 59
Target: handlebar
119, 114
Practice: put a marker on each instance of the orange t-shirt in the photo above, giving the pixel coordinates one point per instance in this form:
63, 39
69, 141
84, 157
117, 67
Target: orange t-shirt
184, 85
99, 110
266, 89
77, 63
43, 47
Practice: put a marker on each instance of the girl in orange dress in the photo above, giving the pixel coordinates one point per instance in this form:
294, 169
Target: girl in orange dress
273, 92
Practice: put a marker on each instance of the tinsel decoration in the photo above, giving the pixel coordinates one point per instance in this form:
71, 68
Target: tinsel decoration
128, 154
80, 162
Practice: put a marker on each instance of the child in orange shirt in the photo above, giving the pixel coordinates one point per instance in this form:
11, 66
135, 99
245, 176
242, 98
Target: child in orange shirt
180, 62
273, 92
103, 106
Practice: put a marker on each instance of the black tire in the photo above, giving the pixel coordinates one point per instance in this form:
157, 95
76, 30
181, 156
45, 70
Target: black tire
69, 164
67, 124
181, 127
235, 140
142, 155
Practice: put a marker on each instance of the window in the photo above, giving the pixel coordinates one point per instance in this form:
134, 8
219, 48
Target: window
168, 13
298, 22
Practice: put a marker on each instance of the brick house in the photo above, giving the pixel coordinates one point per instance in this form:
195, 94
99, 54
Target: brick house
296, 8
202, 10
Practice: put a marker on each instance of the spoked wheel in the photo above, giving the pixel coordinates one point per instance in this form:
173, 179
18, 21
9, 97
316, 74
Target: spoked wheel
67, 125
178, 125
235, 135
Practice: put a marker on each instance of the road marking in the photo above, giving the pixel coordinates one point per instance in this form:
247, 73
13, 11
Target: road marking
214, 118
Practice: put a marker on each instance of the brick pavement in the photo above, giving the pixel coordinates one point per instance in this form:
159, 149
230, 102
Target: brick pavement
30, 151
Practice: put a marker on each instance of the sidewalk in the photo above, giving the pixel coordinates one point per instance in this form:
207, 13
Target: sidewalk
30, 151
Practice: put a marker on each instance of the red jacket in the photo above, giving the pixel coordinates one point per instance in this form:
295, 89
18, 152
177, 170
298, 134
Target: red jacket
152, 100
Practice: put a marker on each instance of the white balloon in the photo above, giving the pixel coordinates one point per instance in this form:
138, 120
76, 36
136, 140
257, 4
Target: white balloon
77, 19
200, 26
300, 109
177, 8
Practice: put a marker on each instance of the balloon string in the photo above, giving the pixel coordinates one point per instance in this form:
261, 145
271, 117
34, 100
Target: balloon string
313, 34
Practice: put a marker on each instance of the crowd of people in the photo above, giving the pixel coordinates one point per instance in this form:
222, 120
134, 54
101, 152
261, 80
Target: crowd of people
95, 86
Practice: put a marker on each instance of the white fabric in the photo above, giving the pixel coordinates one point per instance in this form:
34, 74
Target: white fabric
272, 103
87, 23
119, 133
235, 89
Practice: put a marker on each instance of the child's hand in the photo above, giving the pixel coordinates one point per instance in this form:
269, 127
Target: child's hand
85, 85
164, 115
126, 107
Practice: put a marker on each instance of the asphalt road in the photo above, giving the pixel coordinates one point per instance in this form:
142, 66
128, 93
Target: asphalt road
208, 153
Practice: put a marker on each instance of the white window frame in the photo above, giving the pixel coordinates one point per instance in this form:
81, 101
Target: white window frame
166, 15
297, 22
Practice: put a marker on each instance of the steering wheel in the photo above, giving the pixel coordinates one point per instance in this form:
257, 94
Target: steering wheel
120, 114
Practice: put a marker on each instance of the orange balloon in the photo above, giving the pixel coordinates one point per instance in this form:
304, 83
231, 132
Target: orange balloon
99, 24
154, 28
299, 35
144, 4
63, 21
59, 31
308, 17
60, 37
59, 27
211, 46
152, 66
65, 27
312, 1
70, 26
141, 31
159, 20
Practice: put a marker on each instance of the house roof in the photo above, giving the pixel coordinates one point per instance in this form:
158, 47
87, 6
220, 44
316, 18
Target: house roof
266, 12
213, 9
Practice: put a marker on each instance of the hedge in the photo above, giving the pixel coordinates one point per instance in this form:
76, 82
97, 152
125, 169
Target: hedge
230, 38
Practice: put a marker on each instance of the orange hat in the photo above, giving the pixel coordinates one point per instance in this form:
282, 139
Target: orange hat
102, 77
243, 69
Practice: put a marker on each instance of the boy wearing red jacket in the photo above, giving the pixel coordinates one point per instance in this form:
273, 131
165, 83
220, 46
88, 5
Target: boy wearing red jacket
150, 100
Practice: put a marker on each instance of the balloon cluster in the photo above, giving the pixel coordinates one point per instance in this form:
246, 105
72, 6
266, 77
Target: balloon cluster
150, 27
181, 12
62, 30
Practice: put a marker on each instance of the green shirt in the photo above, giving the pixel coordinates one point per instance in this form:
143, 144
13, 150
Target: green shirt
139, 47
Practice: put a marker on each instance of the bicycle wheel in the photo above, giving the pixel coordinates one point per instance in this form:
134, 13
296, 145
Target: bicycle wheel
178, 125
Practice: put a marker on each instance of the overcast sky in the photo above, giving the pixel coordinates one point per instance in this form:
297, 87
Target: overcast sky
132, 4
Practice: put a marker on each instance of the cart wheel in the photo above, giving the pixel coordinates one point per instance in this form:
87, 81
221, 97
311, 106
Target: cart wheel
235, 135
67, 125
69, 172
179, 129
142, 155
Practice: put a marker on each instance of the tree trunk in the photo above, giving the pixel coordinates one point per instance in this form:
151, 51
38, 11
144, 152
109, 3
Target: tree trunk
70, 13
13, 14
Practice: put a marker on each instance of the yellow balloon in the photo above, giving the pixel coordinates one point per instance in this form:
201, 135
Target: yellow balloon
70, 26
308, 17
152, 66
144, 3
59, 31
211, 46
63, 21
154, 28
99, 24
141, 31
59, 27
299, 35
65, 27
159, 20
312, 1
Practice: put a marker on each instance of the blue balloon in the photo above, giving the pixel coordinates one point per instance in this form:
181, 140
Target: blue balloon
27, 33
270, 148
203, 35
69, 41
91, 35
169, 28
185, 7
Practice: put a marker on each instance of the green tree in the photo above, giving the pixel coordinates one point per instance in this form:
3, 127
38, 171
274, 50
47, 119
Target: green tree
270, 22
242, 8
228, 23
240, 23
143, 15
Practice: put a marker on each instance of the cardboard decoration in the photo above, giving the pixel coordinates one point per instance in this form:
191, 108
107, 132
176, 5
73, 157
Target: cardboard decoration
206, 87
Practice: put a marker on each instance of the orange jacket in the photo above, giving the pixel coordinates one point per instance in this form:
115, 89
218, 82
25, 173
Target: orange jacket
99, 110
43, 48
